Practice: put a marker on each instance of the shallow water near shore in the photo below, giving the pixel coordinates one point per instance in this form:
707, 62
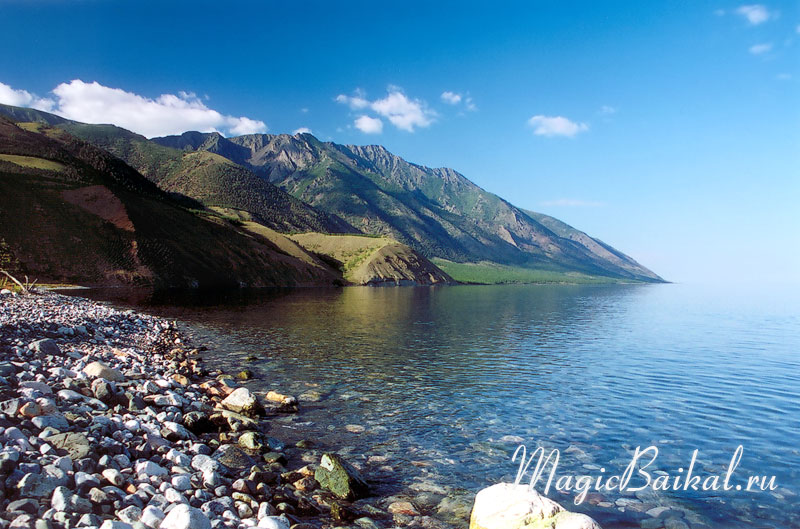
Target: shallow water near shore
446, 382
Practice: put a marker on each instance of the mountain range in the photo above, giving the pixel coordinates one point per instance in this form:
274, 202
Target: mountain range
297, 184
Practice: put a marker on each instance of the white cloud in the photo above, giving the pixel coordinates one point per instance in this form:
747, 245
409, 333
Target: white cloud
759, 49
454, 98
401, 111
242, 125
368, 125
302, 130
23, 98
167, 114
573, 203
556, 126
356, 102
755, 14
607, 110
451, 98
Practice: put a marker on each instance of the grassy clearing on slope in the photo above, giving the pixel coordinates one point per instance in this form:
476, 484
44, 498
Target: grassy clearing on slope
350, 250
487, 273
31, 126
31, 161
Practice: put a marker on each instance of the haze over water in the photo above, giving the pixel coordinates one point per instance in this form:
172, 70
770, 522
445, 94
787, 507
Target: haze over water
438, 376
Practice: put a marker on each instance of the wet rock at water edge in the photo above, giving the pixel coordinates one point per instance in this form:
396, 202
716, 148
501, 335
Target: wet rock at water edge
242, 401
340, 477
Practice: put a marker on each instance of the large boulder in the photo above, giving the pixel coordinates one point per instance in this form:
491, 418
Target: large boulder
509, 506
243, 401
341, 478
76, 444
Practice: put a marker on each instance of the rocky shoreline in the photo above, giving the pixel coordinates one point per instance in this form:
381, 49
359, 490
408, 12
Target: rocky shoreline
109, 419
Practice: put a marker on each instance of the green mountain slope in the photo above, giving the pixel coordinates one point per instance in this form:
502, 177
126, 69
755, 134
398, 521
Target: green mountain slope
594, 246
70, 212
437, 211
214, 181
347, 188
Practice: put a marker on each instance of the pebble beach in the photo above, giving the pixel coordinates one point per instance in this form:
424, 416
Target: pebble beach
110, 419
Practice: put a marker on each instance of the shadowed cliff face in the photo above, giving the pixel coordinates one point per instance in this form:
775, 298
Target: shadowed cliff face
71, 212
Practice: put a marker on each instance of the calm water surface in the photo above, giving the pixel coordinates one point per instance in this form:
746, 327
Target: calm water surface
446, 381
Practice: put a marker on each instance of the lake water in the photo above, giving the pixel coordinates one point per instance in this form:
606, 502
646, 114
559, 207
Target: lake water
446, 382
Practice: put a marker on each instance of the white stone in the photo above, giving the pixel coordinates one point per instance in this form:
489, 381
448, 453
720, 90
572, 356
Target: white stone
131, 514
173, 496
100, 370
114, 477
149, 468
509, 506
242, 401
57, 421
115, 524
274, 522
182, 482
61, 498
41, 387
152, 516
186, 517
179, 430
69, 395
179, 458
204, 463
265, 509
212, 479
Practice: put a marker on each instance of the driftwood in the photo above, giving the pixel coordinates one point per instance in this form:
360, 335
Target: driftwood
26, 287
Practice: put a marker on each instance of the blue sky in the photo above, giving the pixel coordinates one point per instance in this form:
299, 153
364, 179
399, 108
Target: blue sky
671, 130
